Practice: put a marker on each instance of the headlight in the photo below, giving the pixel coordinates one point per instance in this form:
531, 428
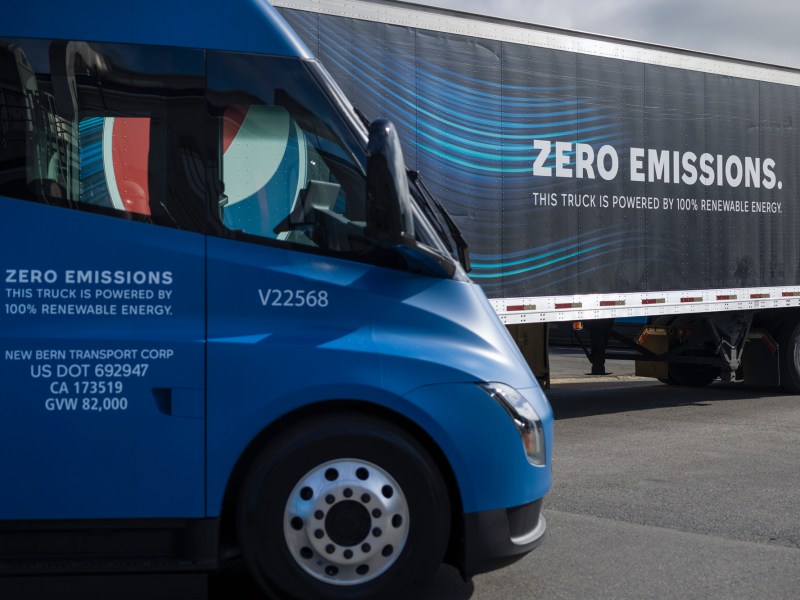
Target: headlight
524, 416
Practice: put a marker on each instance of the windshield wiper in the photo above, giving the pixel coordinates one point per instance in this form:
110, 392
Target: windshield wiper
430, 202
364, 120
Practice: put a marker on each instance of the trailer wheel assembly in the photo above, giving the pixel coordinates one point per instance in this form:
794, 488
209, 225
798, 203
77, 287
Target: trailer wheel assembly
789, 348
692, 375
695, 334
343, 507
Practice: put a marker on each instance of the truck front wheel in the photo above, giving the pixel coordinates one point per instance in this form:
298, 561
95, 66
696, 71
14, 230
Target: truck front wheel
347, 506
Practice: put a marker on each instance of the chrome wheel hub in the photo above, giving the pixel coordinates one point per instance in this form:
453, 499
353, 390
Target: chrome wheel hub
346, 522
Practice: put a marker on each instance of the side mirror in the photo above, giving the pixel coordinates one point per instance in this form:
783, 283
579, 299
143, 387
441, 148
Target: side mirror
389, 213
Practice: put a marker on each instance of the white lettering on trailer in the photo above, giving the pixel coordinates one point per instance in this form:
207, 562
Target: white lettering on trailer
606, 160
650, 165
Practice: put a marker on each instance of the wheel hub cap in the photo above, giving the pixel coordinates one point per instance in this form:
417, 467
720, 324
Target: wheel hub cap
346, 522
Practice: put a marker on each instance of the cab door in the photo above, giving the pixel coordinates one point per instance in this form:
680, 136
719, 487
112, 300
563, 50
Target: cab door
102, 325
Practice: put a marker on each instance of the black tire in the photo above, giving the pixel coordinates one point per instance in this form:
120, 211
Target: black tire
687, 374
342, 506
692, 375
789, 348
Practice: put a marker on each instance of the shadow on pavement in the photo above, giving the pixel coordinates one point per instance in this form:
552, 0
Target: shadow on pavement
573, 400
234, 583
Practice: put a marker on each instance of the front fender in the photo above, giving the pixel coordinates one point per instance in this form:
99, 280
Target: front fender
482, 444
473, 432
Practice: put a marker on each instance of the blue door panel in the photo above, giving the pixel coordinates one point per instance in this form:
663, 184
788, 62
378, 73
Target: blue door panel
101, 363
284, 328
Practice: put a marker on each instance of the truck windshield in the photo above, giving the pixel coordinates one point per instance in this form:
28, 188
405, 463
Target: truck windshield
292, 165
288, 168
291, 168
433, 225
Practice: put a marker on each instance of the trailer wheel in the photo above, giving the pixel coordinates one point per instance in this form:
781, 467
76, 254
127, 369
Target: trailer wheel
342, 507
692, 375
687, 374
789, 348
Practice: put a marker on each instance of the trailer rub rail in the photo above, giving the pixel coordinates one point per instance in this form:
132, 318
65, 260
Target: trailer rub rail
514, 311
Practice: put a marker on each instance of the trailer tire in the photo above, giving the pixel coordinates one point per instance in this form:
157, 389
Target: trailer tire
692, 375
684, 373
342, 507
789, 348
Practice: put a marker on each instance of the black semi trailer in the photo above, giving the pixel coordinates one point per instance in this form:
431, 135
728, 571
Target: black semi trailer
595, 178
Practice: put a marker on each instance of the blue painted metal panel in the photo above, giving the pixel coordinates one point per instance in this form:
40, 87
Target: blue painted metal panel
409, 343
102, 348
241, 25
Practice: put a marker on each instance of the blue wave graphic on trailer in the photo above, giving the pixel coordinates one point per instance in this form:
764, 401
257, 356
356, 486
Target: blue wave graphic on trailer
468, 120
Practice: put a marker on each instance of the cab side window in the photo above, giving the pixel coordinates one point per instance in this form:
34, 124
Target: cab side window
264, 163
286, 167
107, 128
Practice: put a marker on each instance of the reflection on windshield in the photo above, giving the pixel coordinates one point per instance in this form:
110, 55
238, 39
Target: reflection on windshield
264, 161
291, 170
287, 169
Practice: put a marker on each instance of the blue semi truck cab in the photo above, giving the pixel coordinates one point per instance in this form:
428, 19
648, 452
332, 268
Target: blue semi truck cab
231, 318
